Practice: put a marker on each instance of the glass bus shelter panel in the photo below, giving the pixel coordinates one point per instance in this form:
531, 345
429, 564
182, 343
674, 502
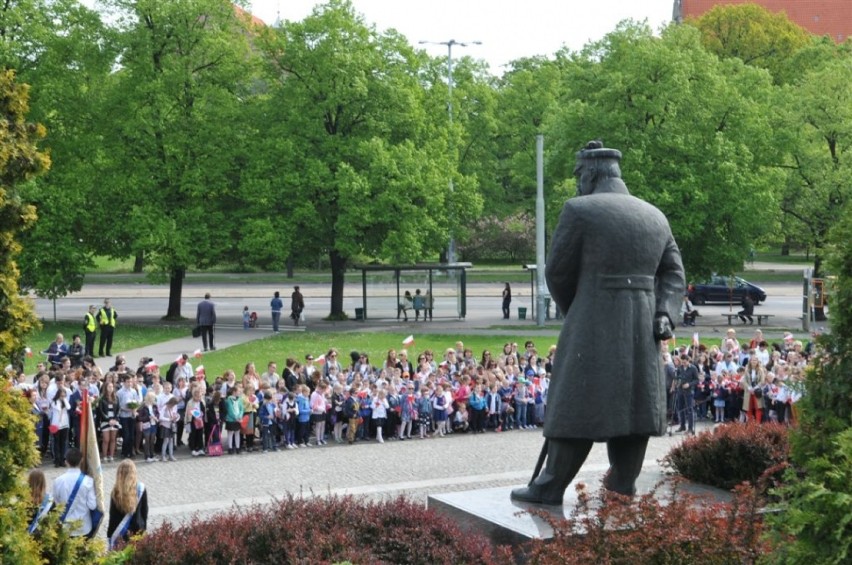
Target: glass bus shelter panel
381, 288
384, 292
447, 294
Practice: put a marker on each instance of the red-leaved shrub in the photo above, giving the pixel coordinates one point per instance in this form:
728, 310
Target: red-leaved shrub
732, 454
651, 529
316, 530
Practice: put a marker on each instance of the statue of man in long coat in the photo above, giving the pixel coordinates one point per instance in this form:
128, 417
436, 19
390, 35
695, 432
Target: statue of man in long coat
615, 270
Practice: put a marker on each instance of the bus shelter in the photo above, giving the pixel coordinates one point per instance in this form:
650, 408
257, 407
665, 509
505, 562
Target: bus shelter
533, 270
443, 287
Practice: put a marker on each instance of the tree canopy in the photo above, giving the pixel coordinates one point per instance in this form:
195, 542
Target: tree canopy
692, 130
184, 134
368, 167
754, 35
20, 162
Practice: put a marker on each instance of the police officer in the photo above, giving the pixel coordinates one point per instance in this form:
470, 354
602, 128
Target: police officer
106, 319
90, 327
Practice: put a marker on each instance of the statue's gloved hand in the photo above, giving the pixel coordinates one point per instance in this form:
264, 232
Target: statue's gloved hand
662, 327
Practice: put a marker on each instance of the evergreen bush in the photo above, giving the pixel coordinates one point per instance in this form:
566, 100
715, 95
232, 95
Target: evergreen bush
815, 518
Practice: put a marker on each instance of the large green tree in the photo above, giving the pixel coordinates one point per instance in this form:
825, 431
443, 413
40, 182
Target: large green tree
20, 162
527, 96
175, 137
367, 170
65, 58
693, 131
814, 125
754, 35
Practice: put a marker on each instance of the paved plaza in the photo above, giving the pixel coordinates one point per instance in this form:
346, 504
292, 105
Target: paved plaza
415, 468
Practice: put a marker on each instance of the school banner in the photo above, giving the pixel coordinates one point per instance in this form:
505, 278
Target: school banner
91, 464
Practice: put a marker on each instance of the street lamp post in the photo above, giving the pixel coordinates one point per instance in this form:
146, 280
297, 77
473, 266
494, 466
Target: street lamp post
451, 249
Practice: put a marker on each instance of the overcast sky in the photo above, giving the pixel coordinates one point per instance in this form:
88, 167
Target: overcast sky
508, 29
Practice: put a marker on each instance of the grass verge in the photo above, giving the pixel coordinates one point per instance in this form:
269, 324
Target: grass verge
279, 347
126, 337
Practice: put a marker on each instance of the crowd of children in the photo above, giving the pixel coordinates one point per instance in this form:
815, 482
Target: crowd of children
315, 402
739, 381
144, 413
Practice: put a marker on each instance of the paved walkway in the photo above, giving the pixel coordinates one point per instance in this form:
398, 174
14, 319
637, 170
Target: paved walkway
416, 468
166, 352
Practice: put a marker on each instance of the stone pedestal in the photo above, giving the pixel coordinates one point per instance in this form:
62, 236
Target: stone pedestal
493, 514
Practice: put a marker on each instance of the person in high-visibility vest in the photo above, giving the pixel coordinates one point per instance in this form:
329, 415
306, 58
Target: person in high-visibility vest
106, 319
90, 327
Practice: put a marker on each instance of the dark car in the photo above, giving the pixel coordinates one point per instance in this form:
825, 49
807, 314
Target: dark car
725, 289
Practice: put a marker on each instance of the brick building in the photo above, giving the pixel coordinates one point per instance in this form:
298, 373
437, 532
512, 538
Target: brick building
820, 17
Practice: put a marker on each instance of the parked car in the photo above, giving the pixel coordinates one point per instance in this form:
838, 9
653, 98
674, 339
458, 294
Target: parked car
725, 289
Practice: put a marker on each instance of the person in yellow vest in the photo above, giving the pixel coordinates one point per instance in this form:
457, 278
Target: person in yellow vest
106, 319
90, 327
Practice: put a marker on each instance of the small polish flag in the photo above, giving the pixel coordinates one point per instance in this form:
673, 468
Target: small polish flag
180, 360
197, 354
151, 365
28, 351
321, 359
695, 339
409, 341
199, 369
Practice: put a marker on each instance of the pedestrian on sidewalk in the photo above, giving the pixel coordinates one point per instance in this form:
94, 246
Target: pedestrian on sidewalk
297, 304
205, 318
507, 300
277, 305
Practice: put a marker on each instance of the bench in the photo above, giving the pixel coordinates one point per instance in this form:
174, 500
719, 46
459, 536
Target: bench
761, 318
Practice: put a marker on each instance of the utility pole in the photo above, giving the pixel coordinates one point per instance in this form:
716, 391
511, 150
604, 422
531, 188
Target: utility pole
451, 249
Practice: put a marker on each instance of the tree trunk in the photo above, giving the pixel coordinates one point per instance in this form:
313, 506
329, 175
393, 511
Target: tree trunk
819, 312
139, 262
290, 267
175, 294
785, 249
338, 277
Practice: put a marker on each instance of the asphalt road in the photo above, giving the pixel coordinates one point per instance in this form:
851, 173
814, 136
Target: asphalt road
147, 303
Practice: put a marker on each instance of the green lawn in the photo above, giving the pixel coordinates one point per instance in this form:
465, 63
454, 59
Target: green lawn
774, 256
126, 337
766, 277
279, 347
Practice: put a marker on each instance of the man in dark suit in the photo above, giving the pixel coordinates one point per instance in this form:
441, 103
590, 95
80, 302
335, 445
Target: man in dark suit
615, 271
205, 318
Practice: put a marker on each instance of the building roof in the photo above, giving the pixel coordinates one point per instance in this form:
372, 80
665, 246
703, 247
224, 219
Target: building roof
821, 17
254, 20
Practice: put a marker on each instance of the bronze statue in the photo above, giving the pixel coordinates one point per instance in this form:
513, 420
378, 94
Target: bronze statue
615, 270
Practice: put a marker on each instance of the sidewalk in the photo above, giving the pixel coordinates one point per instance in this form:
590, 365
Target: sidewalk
164, 353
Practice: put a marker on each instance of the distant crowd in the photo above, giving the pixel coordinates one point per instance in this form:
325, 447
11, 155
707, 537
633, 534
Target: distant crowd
150, 411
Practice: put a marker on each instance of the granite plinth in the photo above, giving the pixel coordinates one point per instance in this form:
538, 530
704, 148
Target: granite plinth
492, 513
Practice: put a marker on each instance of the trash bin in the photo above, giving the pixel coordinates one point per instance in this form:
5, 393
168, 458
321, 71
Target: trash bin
522, 313
547, 308
359, 314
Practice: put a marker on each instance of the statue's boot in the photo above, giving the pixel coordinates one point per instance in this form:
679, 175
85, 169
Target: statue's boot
564, 459
625, 463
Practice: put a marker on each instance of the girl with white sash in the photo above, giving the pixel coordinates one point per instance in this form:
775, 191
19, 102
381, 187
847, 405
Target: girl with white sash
128, 510
42, 500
